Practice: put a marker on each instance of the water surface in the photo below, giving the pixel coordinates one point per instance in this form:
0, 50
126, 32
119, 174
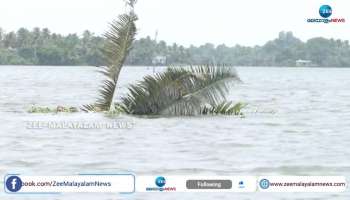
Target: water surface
297, 123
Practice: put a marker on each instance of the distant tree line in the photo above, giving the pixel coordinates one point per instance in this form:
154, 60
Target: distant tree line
41, 47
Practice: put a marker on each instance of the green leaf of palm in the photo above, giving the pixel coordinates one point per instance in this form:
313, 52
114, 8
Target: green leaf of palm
119, 40
180, 91
224, 108
208, 85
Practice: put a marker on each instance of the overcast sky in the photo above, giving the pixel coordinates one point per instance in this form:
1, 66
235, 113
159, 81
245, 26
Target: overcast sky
245, 22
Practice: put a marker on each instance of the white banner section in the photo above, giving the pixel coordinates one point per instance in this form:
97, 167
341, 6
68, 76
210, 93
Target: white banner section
196, 184
302, 184
127, 183
109, 183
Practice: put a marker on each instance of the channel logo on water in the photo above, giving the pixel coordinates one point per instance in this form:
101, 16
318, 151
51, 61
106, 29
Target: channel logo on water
160, 182
13, 183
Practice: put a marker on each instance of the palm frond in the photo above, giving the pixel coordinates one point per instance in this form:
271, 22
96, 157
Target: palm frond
224, 108
179, 91
119, 40
154, 92
87, 108
209, 84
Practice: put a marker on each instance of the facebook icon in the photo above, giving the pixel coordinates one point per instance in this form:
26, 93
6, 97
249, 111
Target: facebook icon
13, 184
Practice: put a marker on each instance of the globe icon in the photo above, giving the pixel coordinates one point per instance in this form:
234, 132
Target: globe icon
160, 181
325, 11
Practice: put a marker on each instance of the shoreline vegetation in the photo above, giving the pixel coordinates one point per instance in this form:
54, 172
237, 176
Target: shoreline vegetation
178, 91
43, 48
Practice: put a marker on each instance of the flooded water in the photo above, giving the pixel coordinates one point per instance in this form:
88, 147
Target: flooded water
297, 123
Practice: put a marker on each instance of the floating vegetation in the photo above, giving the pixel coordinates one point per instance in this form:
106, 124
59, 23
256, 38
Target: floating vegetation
58, 109
225, 108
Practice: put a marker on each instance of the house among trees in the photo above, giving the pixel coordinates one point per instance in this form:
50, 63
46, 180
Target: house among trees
159, 60
303, 63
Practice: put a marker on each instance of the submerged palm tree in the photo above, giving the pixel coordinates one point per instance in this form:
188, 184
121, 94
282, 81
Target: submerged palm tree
177, 91
195, 90
119, 40
183, 91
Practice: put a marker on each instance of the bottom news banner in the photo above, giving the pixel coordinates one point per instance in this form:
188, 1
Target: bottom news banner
130, 183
